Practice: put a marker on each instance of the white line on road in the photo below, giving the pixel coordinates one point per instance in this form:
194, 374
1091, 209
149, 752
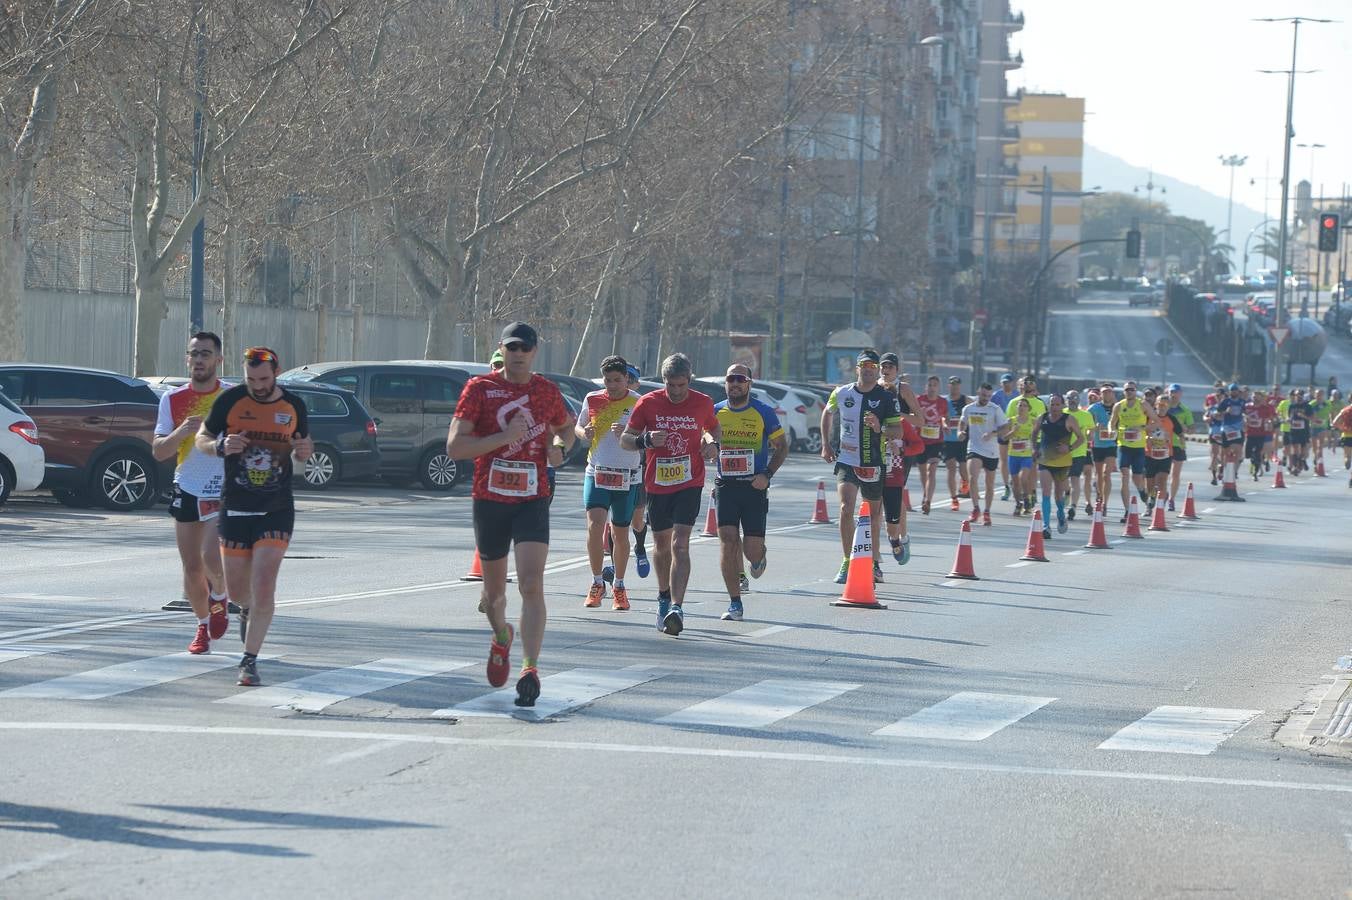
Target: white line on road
19, 651
1181, 729
559, 693
1209, 509
760, 704
766, 632
314, 693
1019, 565
601, 748
49, 631
968, 716
122, 678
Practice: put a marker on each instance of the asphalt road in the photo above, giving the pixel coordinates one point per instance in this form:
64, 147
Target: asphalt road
1100, 724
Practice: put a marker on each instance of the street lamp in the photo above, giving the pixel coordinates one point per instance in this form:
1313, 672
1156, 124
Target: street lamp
1149, 211
1231, 162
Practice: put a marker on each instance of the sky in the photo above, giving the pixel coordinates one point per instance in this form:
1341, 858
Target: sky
1173, 85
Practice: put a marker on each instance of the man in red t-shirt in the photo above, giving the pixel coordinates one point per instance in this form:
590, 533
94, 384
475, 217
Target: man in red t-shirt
512, 423
1260, 422
671, 425
933, 412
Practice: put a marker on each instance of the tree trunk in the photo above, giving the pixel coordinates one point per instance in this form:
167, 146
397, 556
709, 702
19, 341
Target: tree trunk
13, 258
441, 316
602, 285
229, 291
151, 310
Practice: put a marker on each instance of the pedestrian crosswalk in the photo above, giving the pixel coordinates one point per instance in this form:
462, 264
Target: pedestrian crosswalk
962, 718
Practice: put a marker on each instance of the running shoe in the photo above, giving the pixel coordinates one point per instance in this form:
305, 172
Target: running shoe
976, 514
1061, 526
500, 659
641, 564
758, 567
201, 643
218, 622
527, 687
877, 572
985, 518
1006, 494
844, 571
1089, 509
674, 620
243, 624
734, 613
1046, 534
663, 607
1213, 478
1123, 519
248, 673
743, 584
619, 598
1070, 513
608, 573
232, 607
925, 507
953, 504
1018, 509
595, 594
1171, 505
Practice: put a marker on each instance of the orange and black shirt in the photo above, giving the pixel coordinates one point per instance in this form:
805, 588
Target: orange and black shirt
259, 479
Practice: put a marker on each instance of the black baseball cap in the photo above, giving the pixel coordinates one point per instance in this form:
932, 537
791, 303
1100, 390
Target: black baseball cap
891, 358
520, 331
867, 356
954, 379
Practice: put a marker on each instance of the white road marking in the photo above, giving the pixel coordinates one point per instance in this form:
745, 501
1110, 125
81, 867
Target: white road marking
1080, 552
323, 689
956, 582
766, 632
558, 693
123, 678
760, 704
600, 747
44, 632
1181, 729
1209, 509
52, 598
968, 716
1019, 565
19, 651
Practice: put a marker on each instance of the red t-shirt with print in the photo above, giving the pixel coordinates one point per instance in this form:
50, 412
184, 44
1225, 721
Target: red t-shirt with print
514, 473
679, 465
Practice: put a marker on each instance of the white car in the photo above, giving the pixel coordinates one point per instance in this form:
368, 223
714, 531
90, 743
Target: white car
792, 409
22, 462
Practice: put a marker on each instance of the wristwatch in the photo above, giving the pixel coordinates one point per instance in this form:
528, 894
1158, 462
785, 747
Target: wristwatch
220, 446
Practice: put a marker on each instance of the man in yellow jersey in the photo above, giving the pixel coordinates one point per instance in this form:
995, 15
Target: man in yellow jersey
1036, 408
1021, 469
1128, 421
610, 484
1080, 469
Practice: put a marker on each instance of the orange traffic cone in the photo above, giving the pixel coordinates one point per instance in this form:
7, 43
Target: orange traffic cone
906, 499
1229, 490
1098, 537
711, 520
819, 515
1133, 529
1278, 481
476, 569
1034, 552
859, 593
1189, 506
962, 563
1319, 466
1157, 522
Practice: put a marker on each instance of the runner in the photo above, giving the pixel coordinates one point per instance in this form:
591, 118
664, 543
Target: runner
672, 423
983, 423
259, 428
1183, 417
196, 503
1036, 409
1213, 437
1321, 411
955, 446
1159, 451
1056, 436
1299, 414
1001, 398
1284, 418
752, 448
1020, 434
1129, 420
639, 524
933, 412
513, 424
610, 483
869, 415
903, 455
1259, 420
1104, 451
1081, 468
1343, 422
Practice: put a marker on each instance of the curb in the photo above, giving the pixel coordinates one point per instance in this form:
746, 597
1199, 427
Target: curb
1332, 721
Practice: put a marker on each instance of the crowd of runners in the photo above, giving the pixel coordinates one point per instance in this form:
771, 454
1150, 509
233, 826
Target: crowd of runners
649, 457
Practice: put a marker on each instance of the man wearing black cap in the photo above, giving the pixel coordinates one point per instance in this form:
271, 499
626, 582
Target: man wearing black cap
512, 423
868, 416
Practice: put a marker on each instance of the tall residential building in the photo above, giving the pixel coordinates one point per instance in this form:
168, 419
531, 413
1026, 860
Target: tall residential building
994, 171
1050, 153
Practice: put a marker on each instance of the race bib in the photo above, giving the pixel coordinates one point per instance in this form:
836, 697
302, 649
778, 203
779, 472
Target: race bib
1298, 424
954, 423
1105, 434
1131, 434
1018, 446
513, 478
208, 510
1159, 452
929, 432
977, 418
673, 470
868, 474
612, 479
736, 462
1232, 434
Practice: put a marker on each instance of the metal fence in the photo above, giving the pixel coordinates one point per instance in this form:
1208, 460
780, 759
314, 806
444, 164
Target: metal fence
1232, 344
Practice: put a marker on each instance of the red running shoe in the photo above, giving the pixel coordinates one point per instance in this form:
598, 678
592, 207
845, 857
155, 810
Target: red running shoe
621, 599
976, 514
500, 659
200, 642
219, 619
594, 595
985, 518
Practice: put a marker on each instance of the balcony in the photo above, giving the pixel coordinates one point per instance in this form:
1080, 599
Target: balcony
1013, 99
1014, 22
1013, 62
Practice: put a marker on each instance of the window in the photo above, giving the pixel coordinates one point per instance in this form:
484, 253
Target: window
320, 405
11, 385
395, 394
74, 389
440, 395
348, 381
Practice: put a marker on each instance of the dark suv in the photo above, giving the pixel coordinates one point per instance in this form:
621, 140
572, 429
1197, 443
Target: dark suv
95, 428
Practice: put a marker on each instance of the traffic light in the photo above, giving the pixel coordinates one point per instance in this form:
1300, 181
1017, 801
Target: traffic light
1134, 244
1328, 232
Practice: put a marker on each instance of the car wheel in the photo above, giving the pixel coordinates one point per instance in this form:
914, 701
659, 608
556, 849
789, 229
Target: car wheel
124, 480
6, 480
437, 471
322, 469
813, 444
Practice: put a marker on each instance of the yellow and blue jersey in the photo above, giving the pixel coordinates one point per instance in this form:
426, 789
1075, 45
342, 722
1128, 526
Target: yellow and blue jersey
744, 451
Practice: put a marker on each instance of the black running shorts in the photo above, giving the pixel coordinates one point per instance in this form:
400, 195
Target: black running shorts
499, 525
189, 508
242, 534
869, 490
741, 505
666, 511
990, 464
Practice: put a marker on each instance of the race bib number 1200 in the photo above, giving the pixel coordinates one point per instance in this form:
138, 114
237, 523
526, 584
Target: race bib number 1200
672, 471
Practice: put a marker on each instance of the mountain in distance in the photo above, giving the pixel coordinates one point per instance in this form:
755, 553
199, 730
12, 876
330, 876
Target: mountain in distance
1113, 174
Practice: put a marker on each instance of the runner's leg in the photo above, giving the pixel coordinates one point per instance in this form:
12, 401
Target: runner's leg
680, 562
193, 539
849, 497
730, 558
596, 531
267, 561
662, 560
530, 582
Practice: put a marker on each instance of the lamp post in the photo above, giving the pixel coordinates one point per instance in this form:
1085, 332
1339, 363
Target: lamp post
1231, 162
1247, 238
1149, 211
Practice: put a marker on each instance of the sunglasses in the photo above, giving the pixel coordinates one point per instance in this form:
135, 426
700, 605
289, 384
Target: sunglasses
201, 354
256, 355
738, 379
517, 347
868, 365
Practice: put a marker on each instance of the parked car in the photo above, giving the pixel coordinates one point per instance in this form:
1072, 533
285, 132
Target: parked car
803, 429
412, 404
95, 428
22, 462
1141, 295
